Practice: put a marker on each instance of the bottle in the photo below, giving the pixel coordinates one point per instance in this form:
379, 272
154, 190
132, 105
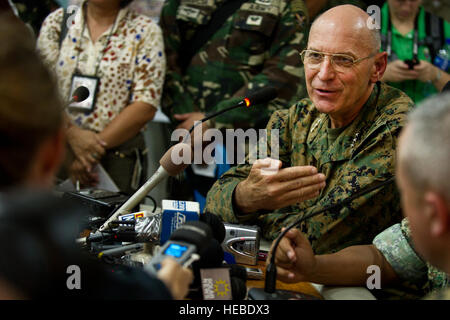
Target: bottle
442, 59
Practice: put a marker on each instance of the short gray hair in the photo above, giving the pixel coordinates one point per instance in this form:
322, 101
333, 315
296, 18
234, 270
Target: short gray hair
426, 153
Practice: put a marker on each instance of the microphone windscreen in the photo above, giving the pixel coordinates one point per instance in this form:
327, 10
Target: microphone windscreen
210, 257
197, 233
216, 224
237, 271
177, 158
80, 94
263, 96
238, 288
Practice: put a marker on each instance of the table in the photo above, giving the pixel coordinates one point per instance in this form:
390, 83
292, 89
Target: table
302, 287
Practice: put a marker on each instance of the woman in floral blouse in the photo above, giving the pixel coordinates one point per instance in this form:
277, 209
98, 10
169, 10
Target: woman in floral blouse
123, 52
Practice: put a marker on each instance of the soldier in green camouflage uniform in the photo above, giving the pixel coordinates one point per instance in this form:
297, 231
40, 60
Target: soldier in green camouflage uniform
396, 245
350, 158
34, 12
256, 47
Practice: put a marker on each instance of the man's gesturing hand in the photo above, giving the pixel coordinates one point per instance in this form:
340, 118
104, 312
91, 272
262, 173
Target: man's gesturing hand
269, 187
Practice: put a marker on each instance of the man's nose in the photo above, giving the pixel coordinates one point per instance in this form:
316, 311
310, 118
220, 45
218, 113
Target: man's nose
326, 71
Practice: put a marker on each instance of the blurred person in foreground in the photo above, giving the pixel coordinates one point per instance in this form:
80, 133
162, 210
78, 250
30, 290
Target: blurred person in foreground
32, 136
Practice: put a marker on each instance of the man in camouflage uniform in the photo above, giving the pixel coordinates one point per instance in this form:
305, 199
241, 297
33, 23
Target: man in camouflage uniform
332, 145
414, 253
257, 46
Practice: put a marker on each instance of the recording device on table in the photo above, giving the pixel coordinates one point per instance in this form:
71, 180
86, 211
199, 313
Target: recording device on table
100, 203
242, 242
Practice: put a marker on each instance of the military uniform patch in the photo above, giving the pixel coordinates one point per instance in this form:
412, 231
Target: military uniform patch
254, 20
188, 12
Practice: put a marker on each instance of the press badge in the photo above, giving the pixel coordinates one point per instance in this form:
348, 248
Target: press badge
91, 83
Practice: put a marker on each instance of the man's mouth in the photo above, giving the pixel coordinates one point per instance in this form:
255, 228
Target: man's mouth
325, 92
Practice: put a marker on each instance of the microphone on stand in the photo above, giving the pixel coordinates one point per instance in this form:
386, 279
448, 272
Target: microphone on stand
261, 96
169, 168
269, 292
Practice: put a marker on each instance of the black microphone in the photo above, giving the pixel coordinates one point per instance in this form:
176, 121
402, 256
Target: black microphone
263, 95
80, 94
210, 257
269, 291
237, 271
238, 288
169, 168
216, 224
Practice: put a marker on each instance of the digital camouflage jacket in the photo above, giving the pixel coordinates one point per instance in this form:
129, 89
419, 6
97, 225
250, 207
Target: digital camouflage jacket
361, 155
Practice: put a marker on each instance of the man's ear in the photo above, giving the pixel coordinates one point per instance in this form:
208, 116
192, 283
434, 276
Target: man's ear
379, 67
438, 214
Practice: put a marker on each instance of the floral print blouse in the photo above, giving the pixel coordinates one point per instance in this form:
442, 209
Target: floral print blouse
131, 65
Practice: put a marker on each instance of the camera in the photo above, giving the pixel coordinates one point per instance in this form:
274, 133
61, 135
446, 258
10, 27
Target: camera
411, 63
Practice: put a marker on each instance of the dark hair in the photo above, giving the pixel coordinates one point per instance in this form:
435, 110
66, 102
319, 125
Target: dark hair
30, 106
124, 3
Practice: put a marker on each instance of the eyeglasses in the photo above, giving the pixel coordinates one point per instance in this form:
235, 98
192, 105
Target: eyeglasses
341, 62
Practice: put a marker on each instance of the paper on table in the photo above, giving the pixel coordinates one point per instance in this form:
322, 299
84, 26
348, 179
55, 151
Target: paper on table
105, 182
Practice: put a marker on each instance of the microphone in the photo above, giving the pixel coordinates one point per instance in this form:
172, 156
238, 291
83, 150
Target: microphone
238, 288
166, 168
169, 168
148, 230
210, 257
269, 291
263, 95
80, 94
216, 224
237, 271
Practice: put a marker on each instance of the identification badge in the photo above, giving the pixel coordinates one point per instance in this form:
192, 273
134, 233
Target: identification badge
91, 83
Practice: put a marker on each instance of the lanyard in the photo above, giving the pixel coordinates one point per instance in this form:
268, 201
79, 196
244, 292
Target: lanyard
100, 58
415, 38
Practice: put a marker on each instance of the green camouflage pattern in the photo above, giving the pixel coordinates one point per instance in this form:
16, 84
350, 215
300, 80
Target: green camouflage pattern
363, 154
34, 12
257, 46
396, 245
443, 294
